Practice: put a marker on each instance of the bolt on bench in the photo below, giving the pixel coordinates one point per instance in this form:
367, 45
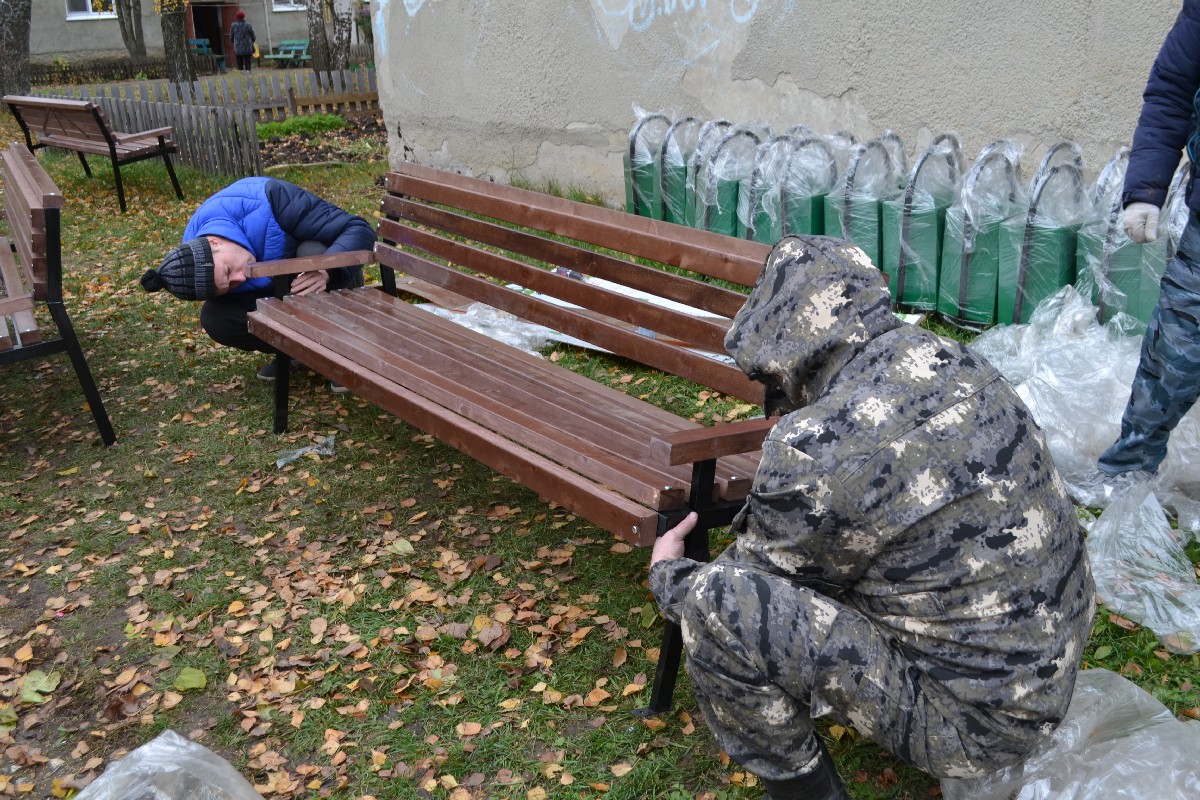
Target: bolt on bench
619, 462
31, 273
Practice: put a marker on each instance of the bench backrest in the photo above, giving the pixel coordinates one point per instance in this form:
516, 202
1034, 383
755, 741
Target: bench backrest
32, 206
471, 237
70, 119
200, 47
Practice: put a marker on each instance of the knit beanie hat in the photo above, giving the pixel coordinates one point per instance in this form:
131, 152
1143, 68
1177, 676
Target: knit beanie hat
186, 272
241, 15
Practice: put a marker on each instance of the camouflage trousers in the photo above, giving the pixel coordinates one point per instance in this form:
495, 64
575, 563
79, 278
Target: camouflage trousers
1167, 381
766, 655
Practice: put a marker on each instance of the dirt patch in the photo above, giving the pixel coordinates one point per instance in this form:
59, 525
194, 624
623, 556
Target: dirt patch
363, 139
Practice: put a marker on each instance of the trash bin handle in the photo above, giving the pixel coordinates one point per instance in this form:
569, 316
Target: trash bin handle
706, 132
893, 137
989, 154
852, 173
1076, 157
662, 153
972, 179
637, 130
953, 159
797, 146
1043, 180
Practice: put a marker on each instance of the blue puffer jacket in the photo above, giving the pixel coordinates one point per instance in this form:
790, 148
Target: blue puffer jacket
270, 217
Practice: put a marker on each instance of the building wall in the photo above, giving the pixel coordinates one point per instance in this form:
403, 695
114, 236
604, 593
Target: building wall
51, 33
546, 88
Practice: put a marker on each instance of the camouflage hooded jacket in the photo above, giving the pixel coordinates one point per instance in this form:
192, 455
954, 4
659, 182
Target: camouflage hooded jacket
910, 484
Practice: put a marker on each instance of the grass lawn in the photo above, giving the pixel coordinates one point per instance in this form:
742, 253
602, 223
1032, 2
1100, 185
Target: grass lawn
391, 621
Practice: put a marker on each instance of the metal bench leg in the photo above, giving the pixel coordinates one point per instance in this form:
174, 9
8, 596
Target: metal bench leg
171, 170
82, 372
283, 367
120, 187
695, 547
86, 169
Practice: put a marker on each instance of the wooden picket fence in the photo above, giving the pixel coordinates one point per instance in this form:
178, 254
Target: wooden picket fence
215, 119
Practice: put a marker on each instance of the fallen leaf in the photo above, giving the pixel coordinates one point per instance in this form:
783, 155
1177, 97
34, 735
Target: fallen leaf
190, 678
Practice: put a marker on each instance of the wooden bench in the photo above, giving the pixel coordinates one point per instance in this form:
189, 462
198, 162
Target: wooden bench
80, 126
200, 47
290, 52
31, 273
622, 463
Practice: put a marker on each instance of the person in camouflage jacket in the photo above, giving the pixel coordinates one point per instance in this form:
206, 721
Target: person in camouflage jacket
907, 562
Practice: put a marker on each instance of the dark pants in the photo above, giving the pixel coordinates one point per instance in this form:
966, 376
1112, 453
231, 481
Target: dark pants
224, 319
243, 62
1167, 381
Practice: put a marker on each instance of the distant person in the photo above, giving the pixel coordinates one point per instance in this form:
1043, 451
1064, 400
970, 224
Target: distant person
256, 219
242, 34
1167, 381
907, 562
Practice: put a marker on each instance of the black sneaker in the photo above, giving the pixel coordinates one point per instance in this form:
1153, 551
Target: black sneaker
267, 371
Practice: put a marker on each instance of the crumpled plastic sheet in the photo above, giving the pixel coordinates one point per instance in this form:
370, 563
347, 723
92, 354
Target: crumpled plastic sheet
170, 767
1074, 376
1117, 742
499, 325
321, 447
1141, 569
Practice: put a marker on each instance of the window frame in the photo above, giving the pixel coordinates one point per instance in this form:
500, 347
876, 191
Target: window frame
91, 13
288, 5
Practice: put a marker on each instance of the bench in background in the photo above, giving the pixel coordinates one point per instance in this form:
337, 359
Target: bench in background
31, 273
290, 53
80, 126
622, 463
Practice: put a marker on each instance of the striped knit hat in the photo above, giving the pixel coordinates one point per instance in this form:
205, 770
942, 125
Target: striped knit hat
186, 272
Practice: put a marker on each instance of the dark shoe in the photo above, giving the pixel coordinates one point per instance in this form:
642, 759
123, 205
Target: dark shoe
267, 371
821, 783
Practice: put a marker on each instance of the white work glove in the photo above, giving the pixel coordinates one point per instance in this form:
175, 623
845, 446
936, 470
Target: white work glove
1141, 222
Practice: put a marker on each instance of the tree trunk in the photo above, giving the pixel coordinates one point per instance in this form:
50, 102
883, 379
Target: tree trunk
129, 15
14, 46
174, 33
343, 25
318, 40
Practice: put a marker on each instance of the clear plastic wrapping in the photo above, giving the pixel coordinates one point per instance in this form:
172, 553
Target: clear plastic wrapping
852, 208
1037, 248
679, 144
710, 135
991, 192
759, 209
643, 182
913, 224
1116, 742
809, 174
720, 181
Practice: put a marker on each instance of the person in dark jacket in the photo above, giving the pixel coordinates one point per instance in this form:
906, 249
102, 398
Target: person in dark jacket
256, 219
907, 562
1167, 381
242, 34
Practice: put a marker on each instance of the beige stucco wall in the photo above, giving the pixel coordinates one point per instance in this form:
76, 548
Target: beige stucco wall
545, 88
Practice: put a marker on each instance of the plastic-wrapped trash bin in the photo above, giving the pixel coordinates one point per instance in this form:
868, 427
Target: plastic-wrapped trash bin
914, 222
643, 183
718, 186
707, 139
760, 208
678, 146
809, 175
853, 210
991, 193
1037, 249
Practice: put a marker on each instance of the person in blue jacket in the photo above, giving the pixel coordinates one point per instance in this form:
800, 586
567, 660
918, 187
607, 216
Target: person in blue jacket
256, 219
1167, 381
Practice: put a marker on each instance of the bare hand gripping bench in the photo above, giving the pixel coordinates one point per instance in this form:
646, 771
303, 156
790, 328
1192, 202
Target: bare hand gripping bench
619, 462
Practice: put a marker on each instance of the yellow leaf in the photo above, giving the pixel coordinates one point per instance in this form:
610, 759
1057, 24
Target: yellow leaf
621, 769
536, 793
465, 729
25, 652
511, 704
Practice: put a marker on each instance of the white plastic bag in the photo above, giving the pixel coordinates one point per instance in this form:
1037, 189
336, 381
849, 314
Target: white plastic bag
1116, 743
170, 767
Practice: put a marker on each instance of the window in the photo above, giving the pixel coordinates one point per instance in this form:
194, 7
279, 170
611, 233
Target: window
85, 9
288, 5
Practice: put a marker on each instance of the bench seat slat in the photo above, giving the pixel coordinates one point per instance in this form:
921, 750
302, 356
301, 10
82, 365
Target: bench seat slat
689, 291
18, 298
569, 401
336, 324
661, 355
600, 505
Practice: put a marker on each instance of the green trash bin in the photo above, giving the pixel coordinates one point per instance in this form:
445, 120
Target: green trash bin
967, 284
643, 183
853, 211
710, 135
731, 164
809, 174
1037, 249
678, 146
759, 207
914, 223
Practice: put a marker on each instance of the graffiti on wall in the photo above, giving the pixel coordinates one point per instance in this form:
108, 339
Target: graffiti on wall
700, 24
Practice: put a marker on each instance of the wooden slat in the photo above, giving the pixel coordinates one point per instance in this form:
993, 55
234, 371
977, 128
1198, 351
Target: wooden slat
689, 291
595, 503
470, 391
660, 355
18, 294
292, 266
690, 446
737, 260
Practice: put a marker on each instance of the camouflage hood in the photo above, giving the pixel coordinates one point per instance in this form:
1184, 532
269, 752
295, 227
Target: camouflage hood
818, 302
